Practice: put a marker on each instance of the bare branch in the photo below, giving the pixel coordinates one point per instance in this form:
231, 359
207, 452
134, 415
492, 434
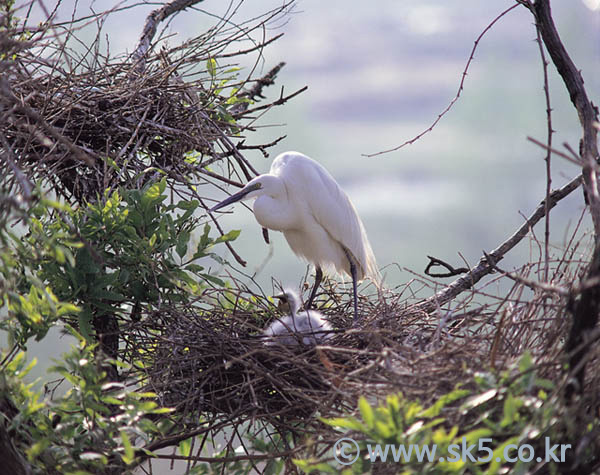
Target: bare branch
576, 160
458, 93
588, 113
152, 21
483, 267
548, 155
532, 284
37, 119
282, 100
452, 271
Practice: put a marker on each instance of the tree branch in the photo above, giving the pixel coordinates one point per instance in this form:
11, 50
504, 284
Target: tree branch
484, 267
458, 93
152, 21
585, 310
588, 113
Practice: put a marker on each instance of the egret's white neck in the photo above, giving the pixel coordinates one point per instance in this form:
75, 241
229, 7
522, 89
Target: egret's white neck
272, 208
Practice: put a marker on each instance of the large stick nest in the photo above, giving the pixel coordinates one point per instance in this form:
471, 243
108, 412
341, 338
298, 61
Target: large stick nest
215, 362
83, 122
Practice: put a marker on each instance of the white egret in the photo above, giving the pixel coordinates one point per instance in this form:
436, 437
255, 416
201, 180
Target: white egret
301, 199
308, 327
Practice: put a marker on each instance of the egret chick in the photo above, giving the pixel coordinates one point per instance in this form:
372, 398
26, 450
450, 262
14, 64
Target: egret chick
301, 199
308, 327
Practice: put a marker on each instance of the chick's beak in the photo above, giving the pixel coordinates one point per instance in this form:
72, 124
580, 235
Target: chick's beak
284, 305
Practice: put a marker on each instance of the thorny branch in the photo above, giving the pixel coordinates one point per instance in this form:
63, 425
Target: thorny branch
458, 93
484, 267
548, 157
588, 113
585, 310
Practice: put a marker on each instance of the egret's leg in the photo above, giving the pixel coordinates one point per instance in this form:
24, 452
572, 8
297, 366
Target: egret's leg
318, 279
353, 275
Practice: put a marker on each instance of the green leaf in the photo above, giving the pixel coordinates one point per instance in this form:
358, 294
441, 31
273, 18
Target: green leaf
366, 411
525, 362
443, 401
510, 410
230, 236
85, 264
350, 423
214, 280
103, 294
195, 268
182, 243
85, 323
185, 447
204, 239
129, 454
187, 205
154, 193
211, 67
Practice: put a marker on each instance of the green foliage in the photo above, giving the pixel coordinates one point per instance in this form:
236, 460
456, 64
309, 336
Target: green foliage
223, 110
91, 428
33, 305
253, 444
130, 247
505, 412
141, 249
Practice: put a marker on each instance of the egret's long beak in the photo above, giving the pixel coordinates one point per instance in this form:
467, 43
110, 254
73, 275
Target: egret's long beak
235, 197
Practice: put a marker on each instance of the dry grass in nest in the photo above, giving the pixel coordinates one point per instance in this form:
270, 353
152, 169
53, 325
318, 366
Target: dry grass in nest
83, 122
214, 361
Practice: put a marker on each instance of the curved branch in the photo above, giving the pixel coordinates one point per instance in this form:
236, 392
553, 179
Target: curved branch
484, 267
152, 21
588, 113
456, 97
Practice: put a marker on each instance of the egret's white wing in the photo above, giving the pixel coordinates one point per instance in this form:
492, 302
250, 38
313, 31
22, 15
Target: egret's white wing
312, 185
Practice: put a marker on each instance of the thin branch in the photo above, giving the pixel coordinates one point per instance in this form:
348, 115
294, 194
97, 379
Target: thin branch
263, 148
38, 120
458, 93
548, 157
484, 267
574, 159
452, 271
152, 21
229, 459
26, 187
532, 284
588, 113
282, 100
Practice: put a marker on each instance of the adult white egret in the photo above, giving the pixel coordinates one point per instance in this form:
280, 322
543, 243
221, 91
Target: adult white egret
308, 327
301, 199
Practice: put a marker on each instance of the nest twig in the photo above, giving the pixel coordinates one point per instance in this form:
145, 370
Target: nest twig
84, 123
214, 362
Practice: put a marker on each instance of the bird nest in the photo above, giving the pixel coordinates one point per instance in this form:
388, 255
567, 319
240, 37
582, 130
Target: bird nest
215, 361
83, 122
